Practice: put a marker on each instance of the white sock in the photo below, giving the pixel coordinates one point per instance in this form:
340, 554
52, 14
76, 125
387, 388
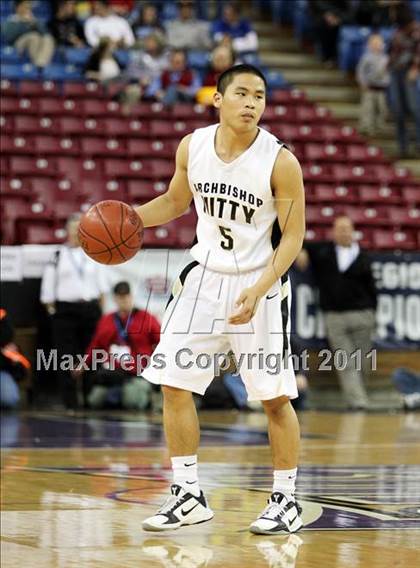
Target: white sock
284, 481
185, 473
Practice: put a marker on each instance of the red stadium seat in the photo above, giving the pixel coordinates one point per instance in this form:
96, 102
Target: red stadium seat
15, 187
46, 145
363, 236
382, 194
127, 168
82, 90
26, 166
181, 111
143, 148
326, 153
7, 124
20, 106
390, 240
368, 215
39, 89
13, 209
411, 194
335, 193
404, 217
318, 173
144, 190
69, 125
312, 114
8, 88
279, 113
44, 235
126, 127
103, 147
322, 214
36, 125
163, 236
97, 190
288, 132
50, 191
315, 233
338, 133
284, 96
16, 145
98, 107
363, 153
60, 107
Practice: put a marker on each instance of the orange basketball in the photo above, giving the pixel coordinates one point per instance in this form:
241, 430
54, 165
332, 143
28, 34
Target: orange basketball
111, 232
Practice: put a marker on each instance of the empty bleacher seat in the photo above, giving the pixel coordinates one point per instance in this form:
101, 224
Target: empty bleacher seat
18, 71
144, 148
62, 72
39, 89
394, 239
95, 146
45, 145
381, 194
29, 166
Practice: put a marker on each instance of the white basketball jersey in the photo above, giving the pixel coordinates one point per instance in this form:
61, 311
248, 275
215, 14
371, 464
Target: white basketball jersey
234, 202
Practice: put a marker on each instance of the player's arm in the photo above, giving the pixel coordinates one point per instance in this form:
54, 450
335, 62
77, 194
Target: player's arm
287, 184
177, 199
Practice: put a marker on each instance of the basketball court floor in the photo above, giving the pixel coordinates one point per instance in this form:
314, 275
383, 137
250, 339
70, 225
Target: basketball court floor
76, 488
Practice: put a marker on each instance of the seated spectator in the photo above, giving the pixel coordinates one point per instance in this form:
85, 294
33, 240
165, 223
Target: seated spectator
145, 67
244, 38
65, 26
176, 84
147, 22
13, 365
128, 331
26, 33
104, 23
186, 32
103, 65
222, 58
404, 67
373, 78
327, 17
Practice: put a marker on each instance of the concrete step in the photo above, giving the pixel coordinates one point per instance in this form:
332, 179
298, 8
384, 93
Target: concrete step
315, 76
278, 59
331, 93
343, 111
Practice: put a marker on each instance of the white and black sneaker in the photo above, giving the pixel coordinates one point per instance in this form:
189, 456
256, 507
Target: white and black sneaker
281, 515
181, 508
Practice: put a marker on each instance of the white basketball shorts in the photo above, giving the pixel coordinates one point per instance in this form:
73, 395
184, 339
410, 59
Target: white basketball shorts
196, 336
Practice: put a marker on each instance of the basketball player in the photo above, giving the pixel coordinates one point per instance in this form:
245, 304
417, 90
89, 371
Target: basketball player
235, 295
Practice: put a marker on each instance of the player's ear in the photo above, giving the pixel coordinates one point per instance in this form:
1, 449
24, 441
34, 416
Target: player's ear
217, 99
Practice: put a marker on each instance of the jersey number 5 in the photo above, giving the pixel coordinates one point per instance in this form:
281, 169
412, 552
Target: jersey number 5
227, 242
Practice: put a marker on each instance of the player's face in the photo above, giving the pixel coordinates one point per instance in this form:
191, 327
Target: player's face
243, 102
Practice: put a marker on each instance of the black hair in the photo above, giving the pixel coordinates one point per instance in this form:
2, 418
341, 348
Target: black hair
227, 76
122, 288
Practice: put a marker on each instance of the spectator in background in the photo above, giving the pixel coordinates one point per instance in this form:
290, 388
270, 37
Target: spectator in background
13, 365
65, 26
179, 83
221, 58
404, 66
373, 78
375, 13
71, 290
347, 296
122, 7
145, 67
147, 22
186, 32
327, 17
104, 23
103, 65
239, 30
26, 33
407, 382
128, 333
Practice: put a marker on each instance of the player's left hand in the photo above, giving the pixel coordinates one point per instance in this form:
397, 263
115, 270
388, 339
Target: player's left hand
247, 303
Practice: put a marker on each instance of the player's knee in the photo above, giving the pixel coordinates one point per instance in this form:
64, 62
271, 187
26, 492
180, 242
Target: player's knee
276, 405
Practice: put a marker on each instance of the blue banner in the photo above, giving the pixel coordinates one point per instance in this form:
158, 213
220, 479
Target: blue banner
397, 277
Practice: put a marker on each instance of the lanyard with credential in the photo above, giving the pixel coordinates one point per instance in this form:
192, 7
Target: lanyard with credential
121, 330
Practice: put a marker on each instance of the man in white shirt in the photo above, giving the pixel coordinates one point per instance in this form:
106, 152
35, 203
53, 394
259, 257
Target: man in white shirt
71, 290
104, 23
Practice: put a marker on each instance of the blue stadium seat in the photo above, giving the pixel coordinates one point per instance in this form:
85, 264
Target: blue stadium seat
352, 43
10, 55
276, 80
17, 72
251, 58
77, 55
59, 72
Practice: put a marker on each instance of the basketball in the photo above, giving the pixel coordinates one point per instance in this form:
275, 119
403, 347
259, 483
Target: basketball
111, 232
